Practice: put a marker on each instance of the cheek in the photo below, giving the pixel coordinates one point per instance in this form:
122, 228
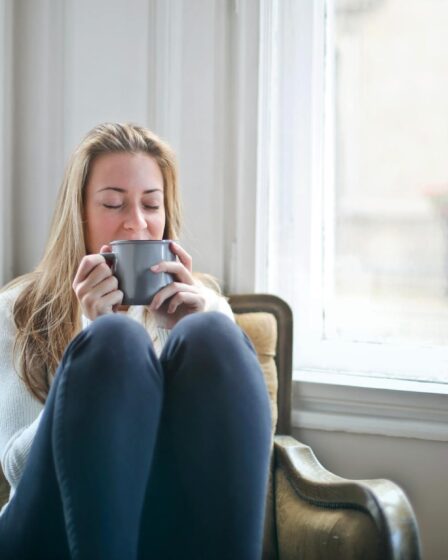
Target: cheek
101, 224
99, 230
156, 225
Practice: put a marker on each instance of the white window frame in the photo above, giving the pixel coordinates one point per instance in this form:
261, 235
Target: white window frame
339, 385
400, 361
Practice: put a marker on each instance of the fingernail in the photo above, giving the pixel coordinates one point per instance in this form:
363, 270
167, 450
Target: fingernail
155, 268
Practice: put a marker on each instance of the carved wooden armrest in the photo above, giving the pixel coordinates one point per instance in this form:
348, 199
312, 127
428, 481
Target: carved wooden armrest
321, 515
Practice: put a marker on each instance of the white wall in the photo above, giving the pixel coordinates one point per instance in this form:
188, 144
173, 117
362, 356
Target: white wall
161, 63
105, 64
36, 125
5, 152
189, 70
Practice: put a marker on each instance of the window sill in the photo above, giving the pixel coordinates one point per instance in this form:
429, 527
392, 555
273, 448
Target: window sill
369, 405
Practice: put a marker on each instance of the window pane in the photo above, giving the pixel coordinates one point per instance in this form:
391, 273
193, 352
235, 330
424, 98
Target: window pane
386, 250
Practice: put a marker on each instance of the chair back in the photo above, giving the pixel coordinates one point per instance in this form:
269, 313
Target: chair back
267, 320
266, 303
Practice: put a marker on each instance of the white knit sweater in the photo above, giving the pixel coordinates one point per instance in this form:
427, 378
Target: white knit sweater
20, 412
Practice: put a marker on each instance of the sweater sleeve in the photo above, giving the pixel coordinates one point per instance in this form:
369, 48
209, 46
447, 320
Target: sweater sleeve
216, 302
20, 412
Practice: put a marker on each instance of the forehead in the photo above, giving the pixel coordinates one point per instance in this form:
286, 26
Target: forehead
124, 170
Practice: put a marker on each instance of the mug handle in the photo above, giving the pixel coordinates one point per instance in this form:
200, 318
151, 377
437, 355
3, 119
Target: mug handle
110, 257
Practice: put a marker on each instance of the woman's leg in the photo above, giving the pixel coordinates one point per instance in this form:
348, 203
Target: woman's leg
206, 497
87, 472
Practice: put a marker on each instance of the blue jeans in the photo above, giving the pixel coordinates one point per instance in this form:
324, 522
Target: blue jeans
144, 458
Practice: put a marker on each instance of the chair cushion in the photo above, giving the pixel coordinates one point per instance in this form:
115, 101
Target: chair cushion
4, 489
261, 328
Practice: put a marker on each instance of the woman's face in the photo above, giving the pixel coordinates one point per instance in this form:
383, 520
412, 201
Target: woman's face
123, 200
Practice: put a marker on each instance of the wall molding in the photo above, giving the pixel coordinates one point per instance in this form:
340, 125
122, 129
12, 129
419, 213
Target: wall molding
6, 96
370, 406
37, 134
165, 69
241, 230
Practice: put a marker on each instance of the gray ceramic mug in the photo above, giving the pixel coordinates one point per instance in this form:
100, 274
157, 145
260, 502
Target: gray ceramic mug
131, 261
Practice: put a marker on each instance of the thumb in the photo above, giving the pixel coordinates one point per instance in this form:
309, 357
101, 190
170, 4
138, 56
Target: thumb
106, 249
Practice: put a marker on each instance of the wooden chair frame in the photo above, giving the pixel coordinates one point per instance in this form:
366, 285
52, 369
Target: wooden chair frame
382, 500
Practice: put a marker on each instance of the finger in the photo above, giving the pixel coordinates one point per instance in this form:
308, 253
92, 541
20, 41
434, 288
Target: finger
106, 286
100, 273
109, 302
113, 298
168, 291
90, 297
190, 299
87, 264
177, 269
184, 257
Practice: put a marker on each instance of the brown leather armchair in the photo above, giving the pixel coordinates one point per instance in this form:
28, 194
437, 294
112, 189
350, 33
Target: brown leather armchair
312, 514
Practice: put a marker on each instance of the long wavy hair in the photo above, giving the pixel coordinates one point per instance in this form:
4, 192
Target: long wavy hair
47, 313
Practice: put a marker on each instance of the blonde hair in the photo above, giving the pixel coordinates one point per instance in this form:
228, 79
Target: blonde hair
47, 313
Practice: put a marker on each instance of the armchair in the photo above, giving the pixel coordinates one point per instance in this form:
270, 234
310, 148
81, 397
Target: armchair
312, 514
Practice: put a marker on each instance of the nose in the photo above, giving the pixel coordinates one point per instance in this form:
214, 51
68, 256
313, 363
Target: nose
135, 220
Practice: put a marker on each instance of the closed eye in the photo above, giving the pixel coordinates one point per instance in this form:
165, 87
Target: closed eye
111, 206
145, 206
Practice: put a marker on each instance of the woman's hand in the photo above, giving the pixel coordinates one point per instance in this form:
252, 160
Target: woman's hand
180, 298
95, 286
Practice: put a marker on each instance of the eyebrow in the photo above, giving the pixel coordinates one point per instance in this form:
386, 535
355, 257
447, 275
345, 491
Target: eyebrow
120, 190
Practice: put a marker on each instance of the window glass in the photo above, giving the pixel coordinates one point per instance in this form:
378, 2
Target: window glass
386, 236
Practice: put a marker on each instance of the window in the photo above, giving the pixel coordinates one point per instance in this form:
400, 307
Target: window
354, 182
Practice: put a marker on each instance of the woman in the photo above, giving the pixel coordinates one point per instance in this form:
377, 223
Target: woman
116, 444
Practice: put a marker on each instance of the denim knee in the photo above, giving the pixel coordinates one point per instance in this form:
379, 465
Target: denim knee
212, 326
204, 339
112, 346
117, 330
